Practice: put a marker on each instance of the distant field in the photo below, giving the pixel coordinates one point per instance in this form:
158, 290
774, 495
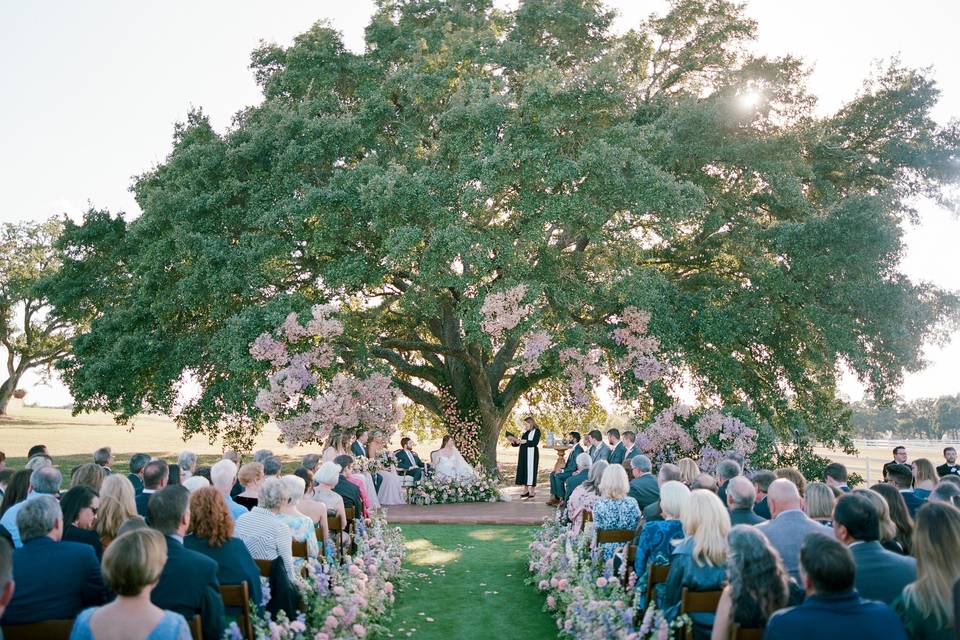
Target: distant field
72, 440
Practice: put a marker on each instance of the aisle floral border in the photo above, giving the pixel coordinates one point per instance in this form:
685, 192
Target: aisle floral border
586, 599
433, 490
347, 601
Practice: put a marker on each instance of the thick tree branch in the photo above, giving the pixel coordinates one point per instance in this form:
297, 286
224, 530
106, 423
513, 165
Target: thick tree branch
423, 372
501, 361
422, 397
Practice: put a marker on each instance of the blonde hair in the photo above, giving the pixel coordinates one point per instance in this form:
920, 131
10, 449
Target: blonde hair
707, 521
90, 475
819, 501
250, 473
888, 528
614, 484
923, 471
794, 476
120, 488
110, 516
673, 496
688, 471
134, 561
936, 539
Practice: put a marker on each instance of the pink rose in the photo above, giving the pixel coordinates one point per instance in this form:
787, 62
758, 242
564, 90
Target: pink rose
551, 602
338, 611
562, 584
338, 590
320, 635
554, 582
601, 582
359, 631
543, 585
331, 622
388, 587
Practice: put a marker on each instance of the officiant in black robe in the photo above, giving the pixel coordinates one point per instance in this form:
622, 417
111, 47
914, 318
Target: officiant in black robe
528, 458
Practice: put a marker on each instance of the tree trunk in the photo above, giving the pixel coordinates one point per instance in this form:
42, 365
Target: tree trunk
490, 437
6, 392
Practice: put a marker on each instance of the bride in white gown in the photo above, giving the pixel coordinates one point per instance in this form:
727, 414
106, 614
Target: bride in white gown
448, 464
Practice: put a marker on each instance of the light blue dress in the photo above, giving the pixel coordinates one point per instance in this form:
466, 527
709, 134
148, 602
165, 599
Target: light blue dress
172, 626
615, 514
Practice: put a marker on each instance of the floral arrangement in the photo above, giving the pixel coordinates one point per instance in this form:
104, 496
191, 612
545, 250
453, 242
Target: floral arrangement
588, 601
347, 601
433, 490
706, 436
464, 429
383, 460
306, 403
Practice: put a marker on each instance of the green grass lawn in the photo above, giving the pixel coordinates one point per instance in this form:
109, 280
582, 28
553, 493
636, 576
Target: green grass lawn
468, 582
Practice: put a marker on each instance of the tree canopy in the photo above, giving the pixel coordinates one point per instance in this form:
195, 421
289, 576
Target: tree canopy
471, 159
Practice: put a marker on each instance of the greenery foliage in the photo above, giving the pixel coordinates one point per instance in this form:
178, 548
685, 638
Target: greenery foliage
920, 418
471, 150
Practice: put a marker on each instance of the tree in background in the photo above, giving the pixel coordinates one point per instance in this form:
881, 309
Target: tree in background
495, 199
32, 335
932, 418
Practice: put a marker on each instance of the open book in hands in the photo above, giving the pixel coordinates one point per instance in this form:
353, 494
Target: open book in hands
512, 439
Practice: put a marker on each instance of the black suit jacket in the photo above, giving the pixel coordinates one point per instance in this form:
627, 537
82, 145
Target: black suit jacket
234, 563
141, 500
645, 490
54, 580
136, 482
84, 536
350, 494
744, 516
188, 585
762, 508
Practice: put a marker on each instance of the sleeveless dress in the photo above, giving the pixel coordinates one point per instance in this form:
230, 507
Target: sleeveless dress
172, 626
301, 528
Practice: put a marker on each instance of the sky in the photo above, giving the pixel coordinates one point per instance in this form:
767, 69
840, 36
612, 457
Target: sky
91, 92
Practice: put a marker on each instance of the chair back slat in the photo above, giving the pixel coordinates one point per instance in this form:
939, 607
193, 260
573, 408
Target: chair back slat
299, 549
45, 630
196, 627
264, 566
615, 535
351, 514
740, 633
656, 574
238, 595
699, 601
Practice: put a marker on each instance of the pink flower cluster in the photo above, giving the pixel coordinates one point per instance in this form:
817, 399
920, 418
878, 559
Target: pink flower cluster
665, 438
536, 344
640, 347
581, 369
464, 429
503, 311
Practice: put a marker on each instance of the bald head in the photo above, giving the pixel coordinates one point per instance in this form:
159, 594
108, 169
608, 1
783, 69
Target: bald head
783, 495
740, 493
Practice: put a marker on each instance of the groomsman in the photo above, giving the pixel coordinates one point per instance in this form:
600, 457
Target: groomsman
600, 450
359, 446
950, 467
630, 441
558, 478
617, 448
407, 458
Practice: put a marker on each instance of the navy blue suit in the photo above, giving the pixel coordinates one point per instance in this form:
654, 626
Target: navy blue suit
403, 462
558, 478
358, 450
188, 585
235, 565
617, 455
136, 482
913, 501
350, 494
575, 481
835, 617
54, 580
141, 501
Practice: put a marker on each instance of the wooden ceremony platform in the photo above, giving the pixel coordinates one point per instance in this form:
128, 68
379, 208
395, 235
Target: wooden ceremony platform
517, 511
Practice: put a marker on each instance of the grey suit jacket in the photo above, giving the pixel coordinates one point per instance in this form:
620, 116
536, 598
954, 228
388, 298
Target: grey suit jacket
644, 490
786, 533
881, 574
601, 452
744, 516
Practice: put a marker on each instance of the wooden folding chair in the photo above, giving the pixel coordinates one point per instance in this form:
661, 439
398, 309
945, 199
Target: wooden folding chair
698, 602
656, 574
196, 627
585, 517
351, 528
238, 595
299, 549
335, 527
631, 558
740, 633
264, 566
45, 630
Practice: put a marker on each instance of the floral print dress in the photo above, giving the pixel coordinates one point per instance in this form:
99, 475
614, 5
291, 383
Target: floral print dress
615, 514
655, 546
302, 529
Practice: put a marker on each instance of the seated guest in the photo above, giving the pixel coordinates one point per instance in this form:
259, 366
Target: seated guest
16, 491
195, 482
89, 474
949, 466
558, 478
881, 574
644, 487
758, 585
250, 478
926, 606
924, 478
346, 489
614, 509
44, 481
832, 610
655, 543
835, 476
272, 467
688, 471
310, 462
585, 494
901, 477
119, 487
5, 475
328, 475
300, 525
6, 575
740, 497
211, 534
79, 507
790, 525
131, 568
117, 505
899, 513
727, 470
137, 462
819, 503
408, 459
888, 530
668, 473
38, 462
794, 476
761, 482
699, 562
188, 583
357, 480
303, 500
222, 476
263, 532
704, 481
54, 580
946, 492
156, 474
188, 464
103, 457
578, 477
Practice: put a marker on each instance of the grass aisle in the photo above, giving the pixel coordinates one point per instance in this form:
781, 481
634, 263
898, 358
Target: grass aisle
468, 582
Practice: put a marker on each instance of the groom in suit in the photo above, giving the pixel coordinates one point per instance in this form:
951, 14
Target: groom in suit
558, 478
617, 449
359, 450
407, 458
600, 450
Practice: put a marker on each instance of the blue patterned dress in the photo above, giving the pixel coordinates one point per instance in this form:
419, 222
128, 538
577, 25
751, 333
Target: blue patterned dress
655, 545
302, 529
615, 514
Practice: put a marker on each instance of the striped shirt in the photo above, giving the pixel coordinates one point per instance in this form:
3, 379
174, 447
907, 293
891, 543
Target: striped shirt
266, 537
